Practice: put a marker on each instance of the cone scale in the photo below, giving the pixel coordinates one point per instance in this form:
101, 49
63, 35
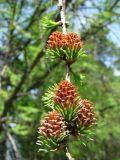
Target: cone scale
53, 125
86, 116
66, 94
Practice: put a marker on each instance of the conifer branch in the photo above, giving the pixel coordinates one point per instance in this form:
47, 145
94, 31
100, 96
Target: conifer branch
63, 20
68, 72
68, 155
62, 15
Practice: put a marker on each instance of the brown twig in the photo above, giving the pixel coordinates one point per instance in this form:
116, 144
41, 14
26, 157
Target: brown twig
62, 15
68, 155
12, 141
67, 72
63, 20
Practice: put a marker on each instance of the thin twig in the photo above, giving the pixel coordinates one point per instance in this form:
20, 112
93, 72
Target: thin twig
62, 15
2, 74
67, 72
12, 141
63, 20
68, 155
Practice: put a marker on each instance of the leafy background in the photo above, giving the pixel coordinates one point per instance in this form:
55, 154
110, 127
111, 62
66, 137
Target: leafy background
26, 73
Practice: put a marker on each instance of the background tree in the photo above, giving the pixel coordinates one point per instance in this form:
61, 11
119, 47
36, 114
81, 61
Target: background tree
26, 72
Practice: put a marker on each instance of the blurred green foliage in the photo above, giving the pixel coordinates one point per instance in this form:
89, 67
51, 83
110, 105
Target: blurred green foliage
26, 73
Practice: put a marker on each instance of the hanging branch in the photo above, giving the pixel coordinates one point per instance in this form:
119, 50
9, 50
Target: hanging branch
62, 15
63, 20
68, 110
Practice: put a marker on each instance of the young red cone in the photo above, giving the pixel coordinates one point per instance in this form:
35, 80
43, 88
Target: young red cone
66, 94
65, 46
70, 40
55, 40
53, 125
86, 116
74, 41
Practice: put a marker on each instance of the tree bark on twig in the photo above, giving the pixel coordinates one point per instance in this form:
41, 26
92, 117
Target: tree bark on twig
63, 20
62, 15
68, 155
13, 144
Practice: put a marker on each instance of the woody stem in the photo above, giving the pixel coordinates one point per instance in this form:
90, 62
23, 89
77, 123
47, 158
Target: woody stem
68, 155
68, 72
63, 20
62, 15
